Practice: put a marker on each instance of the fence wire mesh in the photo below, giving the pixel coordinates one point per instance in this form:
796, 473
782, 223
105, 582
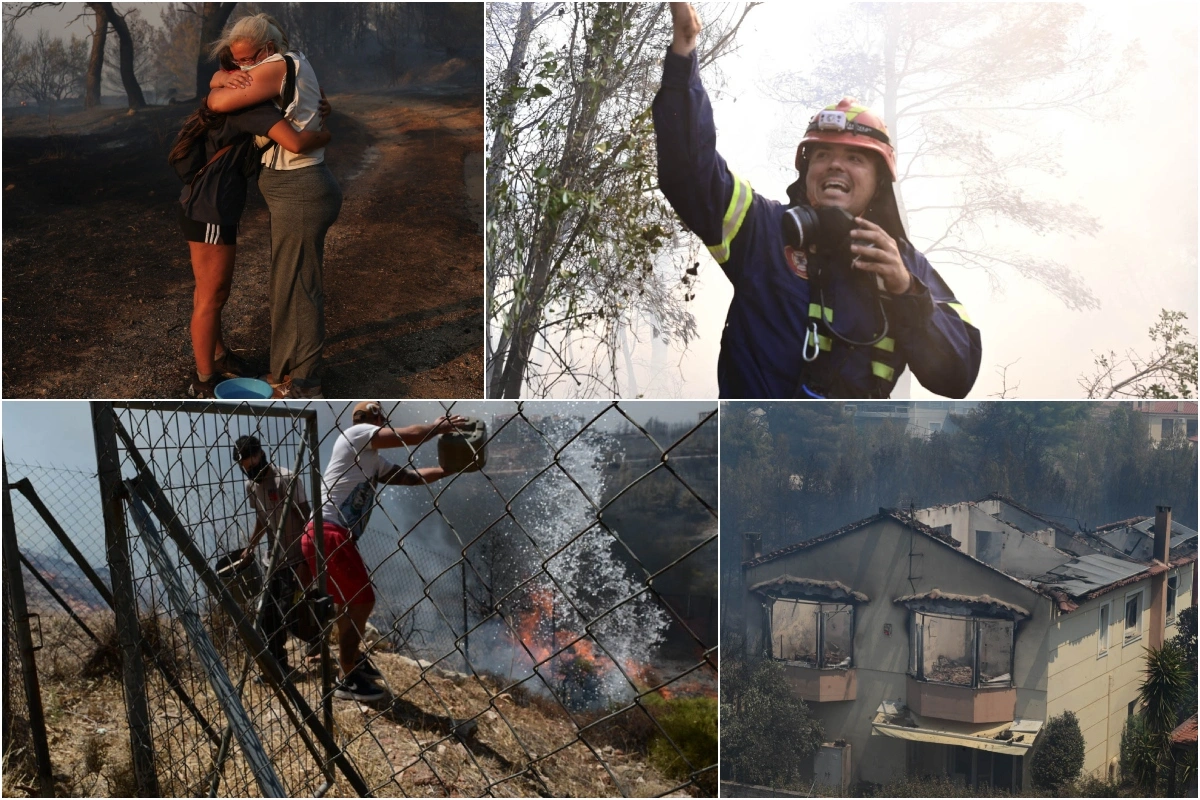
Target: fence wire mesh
543, 626
73, 625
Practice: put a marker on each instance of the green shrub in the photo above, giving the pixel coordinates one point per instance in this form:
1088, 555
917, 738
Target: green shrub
768, 736
691, 723
1139, 754
1057, 757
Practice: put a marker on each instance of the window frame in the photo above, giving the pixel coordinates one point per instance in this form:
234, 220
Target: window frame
1172, 597
820, 631
1141, 607
917, 649
1105, 634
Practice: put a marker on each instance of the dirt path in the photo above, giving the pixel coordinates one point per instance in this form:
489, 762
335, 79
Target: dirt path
97, 283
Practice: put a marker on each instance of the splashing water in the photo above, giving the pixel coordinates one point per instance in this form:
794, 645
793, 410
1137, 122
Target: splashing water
589, 624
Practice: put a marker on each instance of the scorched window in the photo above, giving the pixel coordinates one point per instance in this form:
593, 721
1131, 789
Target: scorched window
962, 651
817, 635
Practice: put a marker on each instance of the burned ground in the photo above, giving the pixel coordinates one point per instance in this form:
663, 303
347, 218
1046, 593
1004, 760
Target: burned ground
517, 742
97, 280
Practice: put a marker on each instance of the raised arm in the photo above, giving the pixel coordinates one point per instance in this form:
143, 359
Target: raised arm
298, 141
685, 24
264, 85
712, 201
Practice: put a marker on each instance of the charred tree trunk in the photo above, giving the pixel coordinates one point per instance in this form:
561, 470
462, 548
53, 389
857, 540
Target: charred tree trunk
128, 79
95, 68
213, 17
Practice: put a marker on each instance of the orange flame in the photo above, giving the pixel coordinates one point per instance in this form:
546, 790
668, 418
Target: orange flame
540, 631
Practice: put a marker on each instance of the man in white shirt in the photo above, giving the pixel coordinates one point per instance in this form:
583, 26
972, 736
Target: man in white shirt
356, 468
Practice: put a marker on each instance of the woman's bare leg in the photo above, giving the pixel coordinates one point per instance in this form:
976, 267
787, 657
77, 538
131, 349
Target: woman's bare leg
212, 265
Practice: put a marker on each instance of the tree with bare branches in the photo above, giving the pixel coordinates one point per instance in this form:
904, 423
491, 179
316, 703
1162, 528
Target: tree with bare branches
105, 16
95, 68
1169, 371
141, 34
49, 70
958, 84
14, 48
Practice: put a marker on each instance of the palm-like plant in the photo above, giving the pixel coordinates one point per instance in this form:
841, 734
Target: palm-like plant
1165, 685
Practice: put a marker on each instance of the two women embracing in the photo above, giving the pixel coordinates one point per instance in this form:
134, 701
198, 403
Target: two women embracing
262, 118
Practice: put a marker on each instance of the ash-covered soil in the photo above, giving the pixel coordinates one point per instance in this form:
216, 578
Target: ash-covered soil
439, 732
98, 283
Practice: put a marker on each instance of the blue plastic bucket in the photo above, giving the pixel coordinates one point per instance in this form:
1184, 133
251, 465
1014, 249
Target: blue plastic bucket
243, 389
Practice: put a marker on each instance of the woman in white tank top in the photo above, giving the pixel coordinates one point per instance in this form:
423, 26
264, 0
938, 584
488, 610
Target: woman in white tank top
303, 197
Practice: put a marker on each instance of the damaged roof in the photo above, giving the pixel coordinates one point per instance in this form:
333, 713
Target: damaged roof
1085, 574
884, 513
1134, 538
1081, 577
937, 600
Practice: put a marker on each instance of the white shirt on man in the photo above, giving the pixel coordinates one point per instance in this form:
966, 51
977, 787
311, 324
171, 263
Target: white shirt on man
268, 498
350, 479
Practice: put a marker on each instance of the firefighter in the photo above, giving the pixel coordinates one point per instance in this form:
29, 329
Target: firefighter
839, 314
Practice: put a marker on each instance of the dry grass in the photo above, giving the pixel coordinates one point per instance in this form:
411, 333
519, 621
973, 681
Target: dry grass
515, 743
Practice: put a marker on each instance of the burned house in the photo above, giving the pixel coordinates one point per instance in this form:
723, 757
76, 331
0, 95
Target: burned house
939, 641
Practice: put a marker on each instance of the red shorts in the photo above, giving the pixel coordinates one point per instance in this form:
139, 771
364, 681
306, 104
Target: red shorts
346, 575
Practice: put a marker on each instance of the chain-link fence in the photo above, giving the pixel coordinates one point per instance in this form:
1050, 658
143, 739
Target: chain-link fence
69, 623
544, 625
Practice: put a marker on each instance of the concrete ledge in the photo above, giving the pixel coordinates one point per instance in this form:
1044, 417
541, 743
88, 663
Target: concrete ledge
961, 703
822, 685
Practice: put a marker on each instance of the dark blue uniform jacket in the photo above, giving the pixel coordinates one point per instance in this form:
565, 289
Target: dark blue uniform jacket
772, 308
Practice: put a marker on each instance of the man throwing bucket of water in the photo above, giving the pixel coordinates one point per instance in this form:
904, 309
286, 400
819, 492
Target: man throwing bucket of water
356, 468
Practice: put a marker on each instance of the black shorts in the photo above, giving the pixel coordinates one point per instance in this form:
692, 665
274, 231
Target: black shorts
206, 232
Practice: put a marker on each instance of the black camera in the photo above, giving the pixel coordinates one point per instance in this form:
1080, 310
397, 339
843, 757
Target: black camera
827, 228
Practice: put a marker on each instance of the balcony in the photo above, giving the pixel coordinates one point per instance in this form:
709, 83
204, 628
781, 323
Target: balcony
961, 703
821, 685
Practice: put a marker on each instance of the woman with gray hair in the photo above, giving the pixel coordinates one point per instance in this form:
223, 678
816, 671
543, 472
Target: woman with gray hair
301, 193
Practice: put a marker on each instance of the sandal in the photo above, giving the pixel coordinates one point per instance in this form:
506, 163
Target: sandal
204, 390
231, 365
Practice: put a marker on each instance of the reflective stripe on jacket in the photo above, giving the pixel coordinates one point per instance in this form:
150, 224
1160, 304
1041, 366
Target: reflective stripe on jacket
763, 341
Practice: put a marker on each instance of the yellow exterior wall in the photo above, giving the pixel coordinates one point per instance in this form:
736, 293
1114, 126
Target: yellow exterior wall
1098, 688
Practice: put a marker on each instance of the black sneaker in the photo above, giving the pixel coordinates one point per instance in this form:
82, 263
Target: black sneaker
356, 686
364, 667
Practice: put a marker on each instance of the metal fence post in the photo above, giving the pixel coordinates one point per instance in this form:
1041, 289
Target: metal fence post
133, 674
323, 618
151, 494
252, 748
20, 614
